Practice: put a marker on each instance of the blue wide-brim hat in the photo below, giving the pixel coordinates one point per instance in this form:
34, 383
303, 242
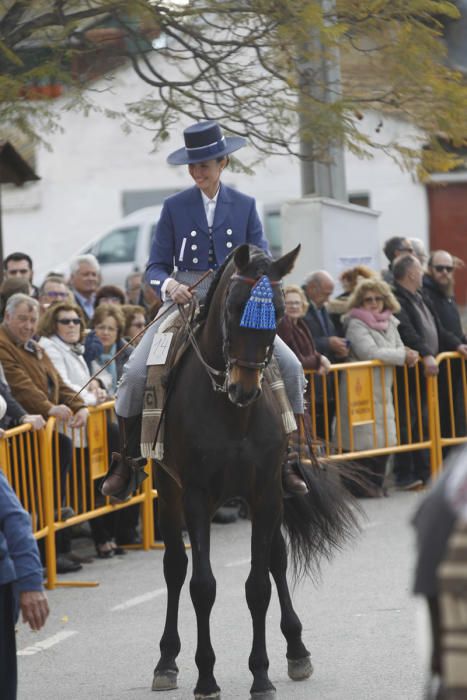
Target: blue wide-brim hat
204, 141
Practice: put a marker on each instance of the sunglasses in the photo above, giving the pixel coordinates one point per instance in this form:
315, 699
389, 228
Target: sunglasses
443, 268
370, 300
406, 250
68, 321
56, 295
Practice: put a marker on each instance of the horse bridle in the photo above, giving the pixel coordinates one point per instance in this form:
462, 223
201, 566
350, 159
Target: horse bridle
235, 361
216, 375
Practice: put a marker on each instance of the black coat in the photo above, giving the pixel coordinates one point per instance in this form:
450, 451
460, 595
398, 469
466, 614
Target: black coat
446, 309
411, 328
321, 338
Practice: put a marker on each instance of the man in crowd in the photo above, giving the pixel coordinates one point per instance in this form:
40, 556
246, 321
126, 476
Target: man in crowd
318, 287
53, 289
20, 577
133, 284
438, 287
19, 265
393, 248
421, 330
37, 386
84, 280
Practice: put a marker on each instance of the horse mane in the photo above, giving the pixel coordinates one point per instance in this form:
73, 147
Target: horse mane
257, 256
203, 314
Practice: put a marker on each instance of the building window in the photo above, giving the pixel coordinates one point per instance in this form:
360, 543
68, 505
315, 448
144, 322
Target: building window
360, 198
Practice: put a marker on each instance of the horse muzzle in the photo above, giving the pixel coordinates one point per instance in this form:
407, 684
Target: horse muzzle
243, 385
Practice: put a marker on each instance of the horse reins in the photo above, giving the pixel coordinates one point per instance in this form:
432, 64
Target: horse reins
215, 374
135, 337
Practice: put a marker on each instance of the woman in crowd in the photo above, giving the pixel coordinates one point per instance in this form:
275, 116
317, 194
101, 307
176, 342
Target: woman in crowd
62, 329
109, 294
135, 321
349, 279
371, 328
103, 342
295, 332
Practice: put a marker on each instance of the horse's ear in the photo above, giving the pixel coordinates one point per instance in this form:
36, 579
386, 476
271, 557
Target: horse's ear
242, 256
284, 265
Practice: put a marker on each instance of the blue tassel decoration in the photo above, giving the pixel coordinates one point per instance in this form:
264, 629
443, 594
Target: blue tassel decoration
259, 311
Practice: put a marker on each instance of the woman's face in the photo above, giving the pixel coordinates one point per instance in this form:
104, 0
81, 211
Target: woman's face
107, 332
207, 175
137, 324
373, 301
293, 305
68, 326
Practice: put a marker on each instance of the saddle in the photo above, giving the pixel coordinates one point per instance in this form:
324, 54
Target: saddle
161, 377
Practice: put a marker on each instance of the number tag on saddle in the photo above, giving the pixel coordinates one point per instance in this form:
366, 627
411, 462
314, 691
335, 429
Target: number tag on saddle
159, 349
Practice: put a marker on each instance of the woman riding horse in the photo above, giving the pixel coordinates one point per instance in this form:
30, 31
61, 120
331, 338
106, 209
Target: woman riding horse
233, 441
197, 230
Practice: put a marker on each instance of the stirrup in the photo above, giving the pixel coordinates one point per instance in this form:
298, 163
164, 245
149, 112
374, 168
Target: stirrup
129, 471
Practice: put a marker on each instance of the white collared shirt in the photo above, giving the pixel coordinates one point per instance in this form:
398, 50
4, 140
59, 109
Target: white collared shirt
210, 207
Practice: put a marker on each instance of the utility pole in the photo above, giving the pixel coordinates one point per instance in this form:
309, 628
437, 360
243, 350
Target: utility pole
320, 80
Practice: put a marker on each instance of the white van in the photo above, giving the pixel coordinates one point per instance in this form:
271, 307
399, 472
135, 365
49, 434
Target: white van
125, 248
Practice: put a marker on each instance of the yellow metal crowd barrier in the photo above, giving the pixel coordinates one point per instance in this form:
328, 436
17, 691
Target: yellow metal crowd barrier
389, 409
33, 462
411, 412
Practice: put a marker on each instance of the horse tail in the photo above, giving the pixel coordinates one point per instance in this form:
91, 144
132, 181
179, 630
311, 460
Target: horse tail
322, 521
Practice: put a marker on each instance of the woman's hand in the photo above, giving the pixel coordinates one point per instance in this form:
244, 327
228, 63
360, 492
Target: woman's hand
324, 366
411, 356
80, 418
179, 293
61, 412
98, 391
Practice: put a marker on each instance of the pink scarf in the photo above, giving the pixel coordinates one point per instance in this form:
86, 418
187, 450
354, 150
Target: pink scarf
377, 321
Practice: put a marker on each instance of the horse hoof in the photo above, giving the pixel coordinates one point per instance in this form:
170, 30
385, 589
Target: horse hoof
264, 695
299, 669
165, 680
210, 696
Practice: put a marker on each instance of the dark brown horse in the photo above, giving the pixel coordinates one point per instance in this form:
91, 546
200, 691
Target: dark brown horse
231, 443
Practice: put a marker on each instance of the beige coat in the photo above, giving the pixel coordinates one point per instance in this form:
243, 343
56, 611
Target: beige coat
369, 344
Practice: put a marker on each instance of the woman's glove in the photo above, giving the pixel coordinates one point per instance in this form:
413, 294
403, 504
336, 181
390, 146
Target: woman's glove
93, 348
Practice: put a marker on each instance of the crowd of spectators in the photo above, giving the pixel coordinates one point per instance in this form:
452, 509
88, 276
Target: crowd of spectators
52, 340
404, 316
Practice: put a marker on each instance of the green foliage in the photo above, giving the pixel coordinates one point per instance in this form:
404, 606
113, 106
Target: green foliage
267, 69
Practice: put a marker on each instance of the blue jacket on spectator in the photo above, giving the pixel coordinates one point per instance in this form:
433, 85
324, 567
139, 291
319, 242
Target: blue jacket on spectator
19, 555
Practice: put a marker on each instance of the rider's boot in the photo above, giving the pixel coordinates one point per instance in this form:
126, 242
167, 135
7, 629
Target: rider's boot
126, 471
298, 455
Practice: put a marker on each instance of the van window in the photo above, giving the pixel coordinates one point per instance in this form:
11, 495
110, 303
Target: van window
119, 246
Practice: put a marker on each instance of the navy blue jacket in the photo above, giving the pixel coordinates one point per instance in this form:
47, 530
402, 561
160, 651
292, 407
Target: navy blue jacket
19, 555
182, 234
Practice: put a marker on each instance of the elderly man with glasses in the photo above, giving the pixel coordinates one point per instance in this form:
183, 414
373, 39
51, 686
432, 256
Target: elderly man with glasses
438, 287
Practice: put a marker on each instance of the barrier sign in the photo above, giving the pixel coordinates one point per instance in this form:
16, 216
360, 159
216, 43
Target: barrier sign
360, 396
97, 441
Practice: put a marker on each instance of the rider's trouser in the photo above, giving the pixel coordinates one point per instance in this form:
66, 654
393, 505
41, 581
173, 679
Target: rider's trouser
130, 392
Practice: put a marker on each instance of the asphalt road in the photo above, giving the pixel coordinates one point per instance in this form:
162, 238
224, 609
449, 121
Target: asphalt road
365, 631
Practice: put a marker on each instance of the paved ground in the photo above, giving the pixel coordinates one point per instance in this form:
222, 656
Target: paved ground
361, 624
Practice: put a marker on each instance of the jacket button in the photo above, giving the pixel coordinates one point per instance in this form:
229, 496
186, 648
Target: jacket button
194, 247
229, 232
195, 260
193, 233
229, 244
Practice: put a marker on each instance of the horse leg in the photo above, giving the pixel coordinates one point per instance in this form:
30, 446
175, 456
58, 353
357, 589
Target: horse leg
202, 591
298, 656
175, 566
258, 595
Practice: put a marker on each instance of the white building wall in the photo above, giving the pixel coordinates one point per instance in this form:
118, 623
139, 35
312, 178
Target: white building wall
93, 161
